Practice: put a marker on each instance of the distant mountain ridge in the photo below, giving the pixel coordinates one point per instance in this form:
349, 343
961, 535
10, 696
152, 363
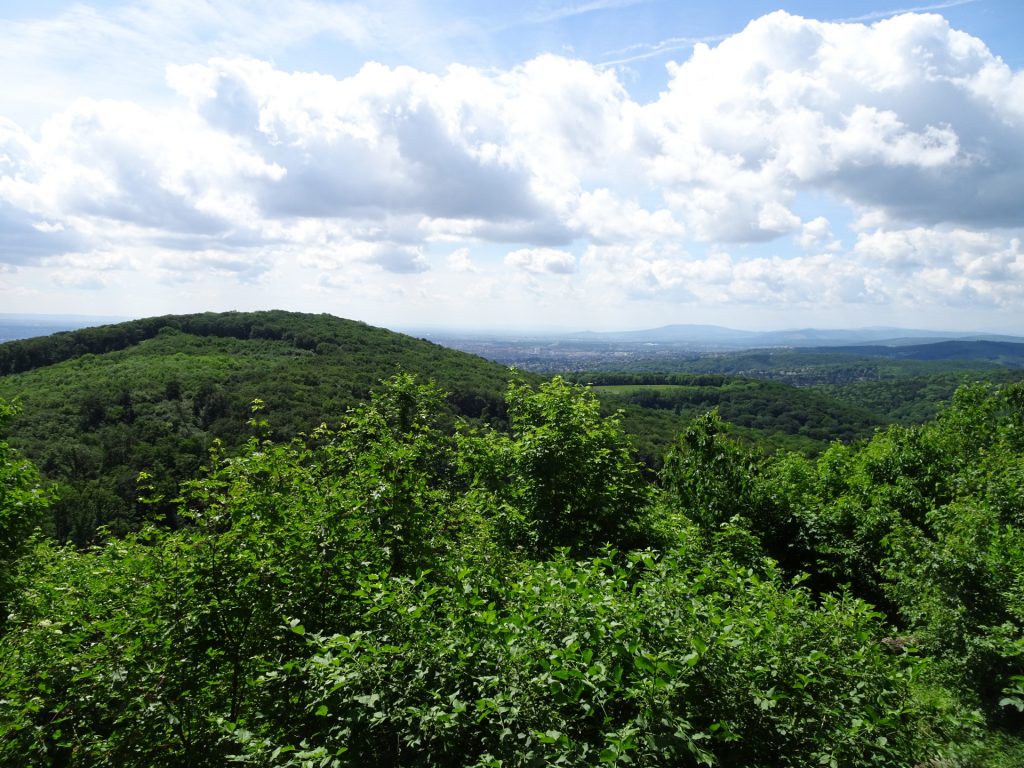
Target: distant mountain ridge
712, 335
15, 326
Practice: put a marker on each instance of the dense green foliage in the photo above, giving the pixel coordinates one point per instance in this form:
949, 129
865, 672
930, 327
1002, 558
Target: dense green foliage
101, 405
779, 401
23, 502
779, 416
398, 592
565, 472
924, 522
764, 406
492, 578
910, 399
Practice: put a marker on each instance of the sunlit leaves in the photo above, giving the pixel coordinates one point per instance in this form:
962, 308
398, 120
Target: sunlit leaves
390, 593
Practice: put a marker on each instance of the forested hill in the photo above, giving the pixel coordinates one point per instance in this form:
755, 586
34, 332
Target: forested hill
320, 334
99, 405
280, 350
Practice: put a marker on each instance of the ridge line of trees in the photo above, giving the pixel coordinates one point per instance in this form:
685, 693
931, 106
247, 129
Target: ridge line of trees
277, 325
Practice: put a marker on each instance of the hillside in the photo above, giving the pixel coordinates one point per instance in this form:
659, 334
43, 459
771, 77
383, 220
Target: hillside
387, 593
764, 407
100, 405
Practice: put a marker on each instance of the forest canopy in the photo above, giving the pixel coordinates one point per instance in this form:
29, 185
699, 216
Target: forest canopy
101, 405
409, 589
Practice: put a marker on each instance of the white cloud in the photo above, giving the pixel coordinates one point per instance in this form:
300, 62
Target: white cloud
776, 218
80, 280
650, 272
244, 169
906, 115
542, 261
26, 238
974, 256
394, 140
399, 258
199, 265
550, 149
459, 261
164, 171
95, 261
955, 288
816, 235
604, 217
390, 257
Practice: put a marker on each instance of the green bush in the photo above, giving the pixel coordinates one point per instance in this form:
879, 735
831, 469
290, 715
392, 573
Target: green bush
23, 503
392, 592
681, 659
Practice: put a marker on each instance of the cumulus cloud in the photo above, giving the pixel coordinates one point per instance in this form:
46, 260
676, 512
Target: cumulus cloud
906, 115
816, 235
916, 128
542, 261
389, 257
383, 140
26, 239
604, 217
398, 258
190, 267
459, 261
651, 272
975, 255
116, 161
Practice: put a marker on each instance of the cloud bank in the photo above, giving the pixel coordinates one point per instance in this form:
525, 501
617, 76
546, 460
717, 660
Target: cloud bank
911, 132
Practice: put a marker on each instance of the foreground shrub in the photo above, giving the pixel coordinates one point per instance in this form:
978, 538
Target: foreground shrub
638, 659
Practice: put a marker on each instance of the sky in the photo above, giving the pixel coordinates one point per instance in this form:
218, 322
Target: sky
598, 164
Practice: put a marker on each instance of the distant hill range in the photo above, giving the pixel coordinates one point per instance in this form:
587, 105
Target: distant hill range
781, 354
696, 336
703, 336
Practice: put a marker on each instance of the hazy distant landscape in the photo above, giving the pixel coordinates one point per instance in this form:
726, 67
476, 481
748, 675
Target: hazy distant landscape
714, 349
445, 384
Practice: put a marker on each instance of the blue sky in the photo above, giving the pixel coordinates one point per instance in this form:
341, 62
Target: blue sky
600, 164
